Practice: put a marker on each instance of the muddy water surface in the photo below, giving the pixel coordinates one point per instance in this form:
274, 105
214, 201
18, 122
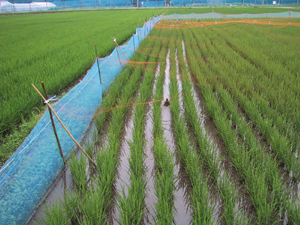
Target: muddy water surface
149, 161
123, 179
182, 213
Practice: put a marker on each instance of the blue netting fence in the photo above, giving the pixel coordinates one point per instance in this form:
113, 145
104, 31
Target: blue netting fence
213, 15
30, 171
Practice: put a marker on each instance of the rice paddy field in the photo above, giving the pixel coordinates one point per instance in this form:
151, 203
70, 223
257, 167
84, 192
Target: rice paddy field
57, 48
202, 129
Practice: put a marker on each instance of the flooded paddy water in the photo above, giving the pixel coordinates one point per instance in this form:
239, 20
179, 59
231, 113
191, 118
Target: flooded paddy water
216, 153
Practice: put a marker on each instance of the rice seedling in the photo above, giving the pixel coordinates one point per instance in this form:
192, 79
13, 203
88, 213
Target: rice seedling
280, 145
211, 157
131, 205
246, 176
164, 177
201, 203
55, 54
265, 209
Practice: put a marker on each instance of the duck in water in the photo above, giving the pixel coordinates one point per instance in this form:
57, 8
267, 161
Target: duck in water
167, 103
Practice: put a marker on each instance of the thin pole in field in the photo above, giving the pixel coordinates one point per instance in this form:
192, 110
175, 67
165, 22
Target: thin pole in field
46, 4
121, 51
117, 51
53, 125
100, 4
63, 4
133, 40
29, 5
71, 136
98, 64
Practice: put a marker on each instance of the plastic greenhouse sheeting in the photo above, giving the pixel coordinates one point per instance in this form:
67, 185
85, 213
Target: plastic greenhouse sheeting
30, 171
214, 15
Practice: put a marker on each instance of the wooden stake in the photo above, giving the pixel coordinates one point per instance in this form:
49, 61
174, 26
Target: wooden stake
53, 125
98, 64
71, 136
133, 42
118, 56
122, 51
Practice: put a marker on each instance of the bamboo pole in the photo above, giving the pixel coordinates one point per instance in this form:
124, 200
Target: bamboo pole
118, 55
53, 125
98, 64
122, 51
71, 136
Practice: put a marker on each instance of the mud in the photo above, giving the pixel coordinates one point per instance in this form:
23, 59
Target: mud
182, 213
149, 161
123, 179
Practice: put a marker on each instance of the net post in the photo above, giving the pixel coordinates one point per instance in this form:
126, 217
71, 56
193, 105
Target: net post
133, 40
117, 50
98, 64
71, 136
53, 125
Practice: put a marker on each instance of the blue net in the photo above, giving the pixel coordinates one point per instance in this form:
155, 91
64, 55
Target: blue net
30, 171
213, 15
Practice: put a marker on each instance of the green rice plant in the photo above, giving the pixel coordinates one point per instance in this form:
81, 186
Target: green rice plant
262, 83
55, 54
107, 159
266, 209
208, 152
78, 170
132, 207
55, 215
164, 177
202, 205
280, 145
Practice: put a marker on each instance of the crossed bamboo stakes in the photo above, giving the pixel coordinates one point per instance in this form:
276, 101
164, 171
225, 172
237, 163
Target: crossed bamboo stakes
52, 110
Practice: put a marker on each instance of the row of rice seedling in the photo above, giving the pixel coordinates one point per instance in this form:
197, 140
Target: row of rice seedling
132, 205
201, 202
281, 145
208, 151
267, 207
96, 210
266, 63
264, 161
164, 164
272, 75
